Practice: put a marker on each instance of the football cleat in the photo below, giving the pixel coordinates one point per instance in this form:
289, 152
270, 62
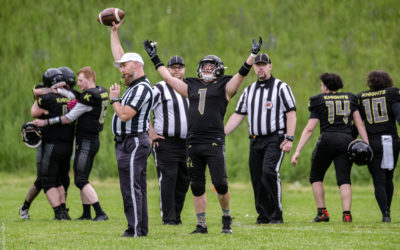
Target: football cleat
324, 217
226, 224
347, 218
24, 213
200, 230
102, 217
84, 218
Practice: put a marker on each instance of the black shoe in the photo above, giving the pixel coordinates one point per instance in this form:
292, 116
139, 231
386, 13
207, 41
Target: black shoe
66, 215
59, 216
128, 233
386, 219
277, 221
84, 218
347, 218
102, 217
170, 223
200, 230
324, 217
226, 224
262, 221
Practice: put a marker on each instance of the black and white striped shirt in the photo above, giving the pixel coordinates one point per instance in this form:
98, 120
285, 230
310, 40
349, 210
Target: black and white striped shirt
265, 104
170, 111
139, 96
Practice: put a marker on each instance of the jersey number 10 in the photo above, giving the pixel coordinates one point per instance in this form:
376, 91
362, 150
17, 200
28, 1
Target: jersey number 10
378, 112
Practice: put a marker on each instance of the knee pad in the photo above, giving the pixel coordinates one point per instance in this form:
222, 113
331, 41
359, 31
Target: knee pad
197, 189
48, 183
80, 182
222, 189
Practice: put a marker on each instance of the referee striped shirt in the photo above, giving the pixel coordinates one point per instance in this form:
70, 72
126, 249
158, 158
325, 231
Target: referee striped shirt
265, 104
170, 111
139, 96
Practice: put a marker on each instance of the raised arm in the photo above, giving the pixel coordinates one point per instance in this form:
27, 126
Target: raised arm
360, 126
305, 135
177, 84
116, 47
233, 85
233, 123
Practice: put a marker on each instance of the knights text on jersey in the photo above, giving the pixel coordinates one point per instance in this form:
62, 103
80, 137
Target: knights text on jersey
91, 123
334, 111
170, 111
57, 106
376, 110
266, 105
207, 107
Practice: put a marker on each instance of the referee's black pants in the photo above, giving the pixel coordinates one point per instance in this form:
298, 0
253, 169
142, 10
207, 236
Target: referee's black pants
132, 153
264, 161
173, 178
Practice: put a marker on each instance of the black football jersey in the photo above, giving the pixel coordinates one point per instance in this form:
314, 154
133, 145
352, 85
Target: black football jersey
334, 111
57, 106
376, 110
207, 107
91, 123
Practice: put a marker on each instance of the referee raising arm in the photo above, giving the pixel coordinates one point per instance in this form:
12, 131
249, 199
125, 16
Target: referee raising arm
271, 109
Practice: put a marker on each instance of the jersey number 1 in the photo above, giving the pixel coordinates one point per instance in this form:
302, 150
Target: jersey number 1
202, 100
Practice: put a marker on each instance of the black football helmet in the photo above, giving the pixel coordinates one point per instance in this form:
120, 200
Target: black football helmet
31, 135
360, 152
52, 76
219, 66
69, 76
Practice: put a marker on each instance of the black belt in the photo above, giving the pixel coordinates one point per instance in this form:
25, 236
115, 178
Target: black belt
121, 138
280, 133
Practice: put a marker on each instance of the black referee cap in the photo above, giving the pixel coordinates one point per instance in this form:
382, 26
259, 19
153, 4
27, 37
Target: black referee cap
176, 60
262, 58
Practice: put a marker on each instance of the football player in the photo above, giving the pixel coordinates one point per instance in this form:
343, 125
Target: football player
208, 96
379, 108
89, 112
335, 111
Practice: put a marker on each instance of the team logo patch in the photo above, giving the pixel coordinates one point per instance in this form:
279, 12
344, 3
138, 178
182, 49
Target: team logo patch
268, 105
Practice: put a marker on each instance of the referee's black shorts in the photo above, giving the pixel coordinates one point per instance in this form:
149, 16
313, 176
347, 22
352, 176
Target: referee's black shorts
331, 146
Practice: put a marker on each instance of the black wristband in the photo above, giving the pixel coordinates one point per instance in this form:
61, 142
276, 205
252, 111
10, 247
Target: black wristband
245, 69
157, 62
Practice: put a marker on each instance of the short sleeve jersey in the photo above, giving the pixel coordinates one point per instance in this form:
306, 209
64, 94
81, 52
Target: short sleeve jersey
91, 123
207, 107
376, 110
57, 106
334, 111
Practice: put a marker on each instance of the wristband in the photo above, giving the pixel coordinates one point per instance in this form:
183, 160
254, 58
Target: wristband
157, 62
245, 69
289, 138
253, 55
114, 99
54, 120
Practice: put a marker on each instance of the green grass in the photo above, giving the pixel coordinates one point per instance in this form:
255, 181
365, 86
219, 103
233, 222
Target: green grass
366, 232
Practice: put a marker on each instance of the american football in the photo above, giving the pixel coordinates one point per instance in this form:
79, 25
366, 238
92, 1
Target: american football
110, 15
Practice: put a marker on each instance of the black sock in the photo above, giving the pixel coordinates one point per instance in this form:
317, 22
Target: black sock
57, 210
346, 212
26, 205
86, 211
63, 206
97, 209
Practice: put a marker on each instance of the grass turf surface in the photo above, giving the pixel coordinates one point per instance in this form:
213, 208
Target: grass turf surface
297, 232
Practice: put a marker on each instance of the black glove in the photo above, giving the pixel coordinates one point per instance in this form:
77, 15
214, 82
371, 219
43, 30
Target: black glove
150, 48
255, 48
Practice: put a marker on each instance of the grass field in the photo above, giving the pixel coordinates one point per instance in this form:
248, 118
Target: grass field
366, 232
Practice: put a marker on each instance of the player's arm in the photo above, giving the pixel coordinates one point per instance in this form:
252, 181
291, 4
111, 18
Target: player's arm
180, 86
233, 123
305, 136
116, 47
37, 111
74, 114
291, 120
233, 85
360, 126
61, 91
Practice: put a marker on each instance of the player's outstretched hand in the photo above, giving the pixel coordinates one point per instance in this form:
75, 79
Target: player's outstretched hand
115, 26
255, 48
150, 48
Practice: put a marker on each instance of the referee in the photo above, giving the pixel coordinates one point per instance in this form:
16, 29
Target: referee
170, 111
271, 109
129, 125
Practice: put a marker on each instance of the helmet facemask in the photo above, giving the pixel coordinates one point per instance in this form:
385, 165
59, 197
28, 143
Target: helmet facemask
216, 72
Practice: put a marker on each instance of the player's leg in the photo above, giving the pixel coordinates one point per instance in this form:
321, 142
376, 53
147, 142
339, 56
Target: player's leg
320, 162
196, 165
256, 159
217, 165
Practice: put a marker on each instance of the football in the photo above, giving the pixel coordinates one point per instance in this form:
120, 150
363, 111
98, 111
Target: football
110, 15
